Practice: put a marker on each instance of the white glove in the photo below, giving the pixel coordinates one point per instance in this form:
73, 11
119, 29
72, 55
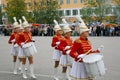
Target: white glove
22, 44
101, 48
68, 52
67, 47
33, 40
81, 56
57, 43
13, 41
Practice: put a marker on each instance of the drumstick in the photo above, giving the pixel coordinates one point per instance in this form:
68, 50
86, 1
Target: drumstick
86, 54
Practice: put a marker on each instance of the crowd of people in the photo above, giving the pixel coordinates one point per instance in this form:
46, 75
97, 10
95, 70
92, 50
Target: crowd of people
47, 30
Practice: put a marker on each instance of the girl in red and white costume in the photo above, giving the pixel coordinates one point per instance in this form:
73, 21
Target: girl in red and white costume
78, 51
27, 38
14, 40
55, 43
65, 44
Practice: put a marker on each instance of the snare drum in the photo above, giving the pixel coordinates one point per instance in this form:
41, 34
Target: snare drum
94, 65
28, 49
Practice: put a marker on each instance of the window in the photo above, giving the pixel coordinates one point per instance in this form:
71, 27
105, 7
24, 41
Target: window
35, 3
29, 4
68, 12
75, 1
75, 12
68, 1
82, 1
61, 12
61, 2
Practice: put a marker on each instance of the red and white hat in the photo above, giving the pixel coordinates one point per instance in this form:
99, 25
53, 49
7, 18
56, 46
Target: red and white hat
15, 24
66, 27
82, 26
25, 23
57, 26
21, 26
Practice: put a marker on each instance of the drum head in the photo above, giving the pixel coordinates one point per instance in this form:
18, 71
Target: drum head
91, 58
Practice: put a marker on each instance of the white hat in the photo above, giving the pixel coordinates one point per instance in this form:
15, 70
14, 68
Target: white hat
21, 26
25, 23
83, 29
57, 26
82, 26
66, 27
15, 24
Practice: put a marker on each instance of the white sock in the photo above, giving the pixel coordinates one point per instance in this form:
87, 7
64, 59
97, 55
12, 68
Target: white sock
32, 71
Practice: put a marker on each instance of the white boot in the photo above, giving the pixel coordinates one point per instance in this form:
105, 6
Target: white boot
56, 74
32, 71
68, 73
20, 66
24, 72
64, 76
15, 68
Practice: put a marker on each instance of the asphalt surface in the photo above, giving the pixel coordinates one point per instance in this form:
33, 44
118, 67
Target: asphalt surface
43, 63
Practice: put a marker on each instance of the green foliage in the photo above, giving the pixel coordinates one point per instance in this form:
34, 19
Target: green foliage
0, 15
47, 12
16, 8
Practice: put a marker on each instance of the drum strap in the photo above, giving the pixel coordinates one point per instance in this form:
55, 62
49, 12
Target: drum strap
86, 54
29, 37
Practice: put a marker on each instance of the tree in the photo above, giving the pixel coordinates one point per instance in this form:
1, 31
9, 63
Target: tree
16, 8
94, 8
47, 11
0, 14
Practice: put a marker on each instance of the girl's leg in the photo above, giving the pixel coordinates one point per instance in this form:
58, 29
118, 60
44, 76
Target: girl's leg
15, 64
23, 68
31, 67
56, 70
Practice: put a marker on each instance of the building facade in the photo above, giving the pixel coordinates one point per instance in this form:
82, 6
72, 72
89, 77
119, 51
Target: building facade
69, 8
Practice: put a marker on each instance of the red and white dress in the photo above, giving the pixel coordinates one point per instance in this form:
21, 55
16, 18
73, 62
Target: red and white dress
26, 40
80, 46
65, 59
56, 52
12, 41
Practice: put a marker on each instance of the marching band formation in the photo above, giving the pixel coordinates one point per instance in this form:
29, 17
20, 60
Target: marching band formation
78, 60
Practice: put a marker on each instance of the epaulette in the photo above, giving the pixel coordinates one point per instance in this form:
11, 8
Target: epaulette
89, 42
78, 41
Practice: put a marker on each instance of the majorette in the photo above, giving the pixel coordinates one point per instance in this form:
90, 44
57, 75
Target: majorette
79, 50
55, 43
14, 40
65, 45
28, 48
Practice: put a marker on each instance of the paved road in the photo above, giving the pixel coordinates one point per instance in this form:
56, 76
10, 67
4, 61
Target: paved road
43, 62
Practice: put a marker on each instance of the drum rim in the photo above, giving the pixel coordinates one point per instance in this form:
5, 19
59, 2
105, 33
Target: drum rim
93, 62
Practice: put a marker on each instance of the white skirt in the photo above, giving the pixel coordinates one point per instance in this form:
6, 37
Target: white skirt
56, 55
14, 51
65, 60
21, 53
29, 49
78, 71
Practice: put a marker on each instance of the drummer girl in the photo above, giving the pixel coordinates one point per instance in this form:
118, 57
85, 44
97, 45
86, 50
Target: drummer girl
13, 40
27, 38
65, 44
55, 42
79, 50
